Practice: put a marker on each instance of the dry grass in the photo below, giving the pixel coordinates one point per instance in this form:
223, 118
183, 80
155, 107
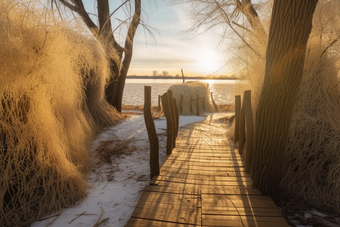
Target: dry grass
46, 120
297, 211
112, 149
312, 159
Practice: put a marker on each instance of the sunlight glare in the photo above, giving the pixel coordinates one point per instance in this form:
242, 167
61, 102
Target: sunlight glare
208, 61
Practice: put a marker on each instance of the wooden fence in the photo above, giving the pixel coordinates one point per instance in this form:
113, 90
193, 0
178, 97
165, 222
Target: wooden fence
171, 113
244, 128
153, 138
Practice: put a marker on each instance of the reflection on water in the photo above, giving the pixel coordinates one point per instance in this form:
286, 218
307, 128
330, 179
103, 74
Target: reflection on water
223, 90
174, 81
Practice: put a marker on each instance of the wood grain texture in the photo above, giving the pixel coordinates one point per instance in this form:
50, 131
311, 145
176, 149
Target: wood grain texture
204, 185
153, 138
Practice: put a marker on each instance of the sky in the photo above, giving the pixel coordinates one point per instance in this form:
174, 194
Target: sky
170, 50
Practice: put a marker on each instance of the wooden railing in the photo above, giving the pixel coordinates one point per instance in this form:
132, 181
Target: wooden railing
197, 104
244, 128
153, 138
171, 113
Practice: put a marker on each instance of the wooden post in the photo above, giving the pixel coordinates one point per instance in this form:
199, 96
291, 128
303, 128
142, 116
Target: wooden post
181, 104
242, 133
237, 117
212, 99
183, 75
249, 130
198, 105
159, 103
177, 118
153, 139
172, 112
167, 113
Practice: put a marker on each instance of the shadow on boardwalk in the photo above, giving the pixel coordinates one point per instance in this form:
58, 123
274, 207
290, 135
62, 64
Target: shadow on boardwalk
203, 183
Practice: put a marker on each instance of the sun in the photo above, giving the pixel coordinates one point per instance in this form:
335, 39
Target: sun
208, 61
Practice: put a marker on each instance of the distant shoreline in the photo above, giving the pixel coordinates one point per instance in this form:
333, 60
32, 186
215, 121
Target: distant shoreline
180, 78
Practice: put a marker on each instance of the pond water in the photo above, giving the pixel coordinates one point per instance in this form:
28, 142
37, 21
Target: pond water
223, 90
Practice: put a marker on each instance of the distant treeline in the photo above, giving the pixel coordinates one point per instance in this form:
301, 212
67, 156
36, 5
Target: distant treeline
232, 77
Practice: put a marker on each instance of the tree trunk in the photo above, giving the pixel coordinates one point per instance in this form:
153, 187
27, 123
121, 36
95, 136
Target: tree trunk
128, 54
109, 44
114, 52
289, 31
112, 87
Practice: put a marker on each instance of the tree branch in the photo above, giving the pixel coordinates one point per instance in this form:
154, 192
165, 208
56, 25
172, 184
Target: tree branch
68, 5
331, 44
226, 18
78, 7
114, 13
248, 10
105, 27
241, 26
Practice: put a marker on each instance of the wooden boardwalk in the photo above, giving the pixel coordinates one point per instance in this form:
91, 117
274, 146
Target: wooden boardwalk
203, 183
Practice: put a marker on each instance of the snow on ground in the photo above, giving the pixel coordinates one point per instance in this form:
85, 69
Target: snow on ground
114, 189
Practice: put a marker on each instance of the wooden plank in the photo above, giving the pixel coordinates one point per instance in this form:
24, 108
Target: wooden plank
230, 190
136, 222
170, 213
206, 147
197, 177
148, 198
189, 133
207, 180
242, 211
221, 162
190, 190
211, 183
202, 141
207, 159
179, 208
203, 174
202, 167
186, 164
184, 172
204, 182
207, 154
244, 221
203, 160
224, 151
239, 201
199, 146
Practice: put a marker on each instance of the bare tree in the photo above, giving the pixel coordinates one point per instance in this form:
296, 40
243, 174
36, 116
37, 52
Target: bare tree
121, 59
284, 68
225, 14
165, 73
154, 73
285, 57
